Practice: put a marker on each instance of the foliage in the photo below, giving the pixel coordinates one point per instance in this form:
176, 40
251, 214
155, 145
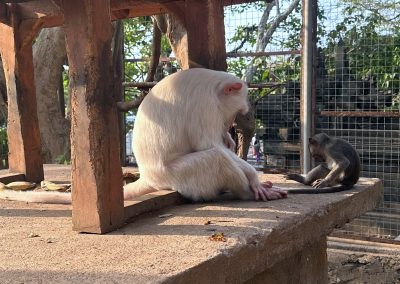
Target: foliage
372, 44
273, 69
138, 40
137, 36
63, 160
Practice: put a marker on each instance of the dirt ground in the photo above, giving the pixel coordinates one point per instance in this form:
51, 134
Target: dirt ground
356, 268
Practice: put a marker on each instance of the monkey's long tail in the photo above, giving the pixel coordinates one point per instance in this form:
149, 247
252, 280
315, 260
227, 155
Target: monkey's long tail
332, 189
37, 197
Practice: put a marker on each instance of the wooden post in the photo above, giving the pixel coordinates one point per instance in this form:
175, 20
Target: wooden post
206, 41
119, 90
97, 198
204, 23
23, 127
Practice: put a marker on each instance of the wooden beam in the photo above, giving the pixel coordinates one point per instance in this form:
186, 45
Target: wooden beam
3, 13
152, 202
23, 126
49, 11
97, 198
205, 41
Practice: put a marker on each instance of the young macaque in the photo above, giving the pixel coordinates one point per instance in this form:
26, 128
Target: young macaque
182, 141
341, 166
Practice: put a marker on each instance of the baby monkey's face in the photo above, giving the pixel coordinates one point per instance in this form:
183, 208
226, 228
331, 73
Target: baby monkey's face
315, 150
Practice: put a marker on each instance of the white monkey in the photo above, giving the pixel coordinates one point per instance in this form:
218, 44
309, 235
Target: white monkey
182, 142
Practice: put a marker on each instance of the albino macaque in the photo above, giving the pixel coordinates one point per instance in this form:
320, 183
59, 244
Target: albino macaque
341, 166
182, 141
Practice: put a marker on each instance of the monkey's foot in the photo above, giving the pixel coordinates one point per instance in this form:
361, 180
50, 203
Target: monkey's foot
265, 191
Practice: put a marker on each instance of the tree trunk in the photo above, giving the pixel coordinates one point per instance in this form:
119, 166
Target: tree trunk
49, 54
245, 127
177, 37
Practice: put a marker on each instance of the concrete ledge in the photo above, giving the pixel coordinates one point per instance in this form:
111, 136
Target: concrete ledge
173, 245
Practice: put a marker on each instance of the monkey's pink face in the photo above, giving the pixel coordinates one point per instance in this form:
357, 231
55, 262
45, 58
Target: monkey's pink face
235, 98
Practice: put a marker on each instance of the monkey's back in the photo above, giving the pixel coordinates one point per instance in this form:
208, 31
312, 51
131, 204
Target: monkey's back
352, 172
178, 116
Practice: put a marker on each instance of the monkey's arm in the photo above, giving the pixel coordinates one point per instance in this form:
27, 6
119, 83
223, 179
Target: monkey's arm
265, 190
228, 141
340, 165
319, 172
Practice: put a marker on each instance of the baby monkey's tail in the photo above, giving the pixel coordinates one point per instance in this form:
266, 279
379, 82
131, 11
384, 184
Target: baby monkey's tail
332, 189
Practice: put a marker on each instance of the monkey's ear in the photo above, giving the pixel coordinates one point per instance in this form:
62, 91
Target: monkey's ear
311, 141
230, 87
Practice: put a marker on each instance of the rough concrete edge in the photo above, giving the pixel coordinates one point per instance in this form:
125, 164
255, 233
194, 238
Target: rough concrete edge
264, 249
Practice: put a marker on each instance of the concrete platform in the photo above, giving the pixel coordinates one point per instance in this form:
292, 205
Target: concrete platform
266, 242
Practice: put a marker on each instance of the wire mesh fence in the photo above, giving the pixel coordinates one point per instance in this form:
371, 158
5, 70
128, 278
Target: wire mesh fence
265, 52
358, 98
357, 88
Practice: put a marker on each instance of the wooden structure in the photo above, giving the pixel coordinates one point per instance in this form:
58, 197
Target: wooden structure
96, 172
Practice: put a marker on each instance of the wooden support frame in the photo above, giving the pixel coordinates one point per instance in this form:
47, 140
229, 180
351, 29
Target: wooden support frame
205, 42
97, 197
23, 126
96, 170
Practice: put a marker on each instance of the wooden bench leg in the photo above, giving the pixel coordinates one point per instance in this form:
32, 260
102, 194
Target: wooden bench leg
97, 198
25, 151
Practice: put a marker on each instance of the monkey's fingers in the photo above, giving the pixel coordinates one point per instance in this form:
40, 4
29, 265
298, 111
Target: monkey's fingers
271, 193
258, 190
319, 183
267, 184
316, 183
281, 192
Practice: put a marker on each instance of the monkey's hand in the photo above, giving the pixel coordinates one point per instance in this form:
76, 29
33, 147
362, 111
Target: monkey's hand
228, 141
265, 191
320, 183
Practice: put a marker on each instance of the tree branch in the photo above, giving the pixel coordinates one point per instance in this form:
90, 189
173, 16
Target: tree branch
154, 61
265, 35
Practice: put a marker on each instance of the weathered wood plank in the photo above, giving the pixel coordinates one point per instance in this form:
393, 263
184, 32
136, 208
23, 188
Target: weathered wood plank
96, 172
23, 126
152, 202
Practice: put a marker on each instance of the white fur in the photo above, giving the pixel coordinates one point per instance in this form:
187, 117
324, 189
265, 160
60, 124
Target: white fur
180, 131
181, 142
